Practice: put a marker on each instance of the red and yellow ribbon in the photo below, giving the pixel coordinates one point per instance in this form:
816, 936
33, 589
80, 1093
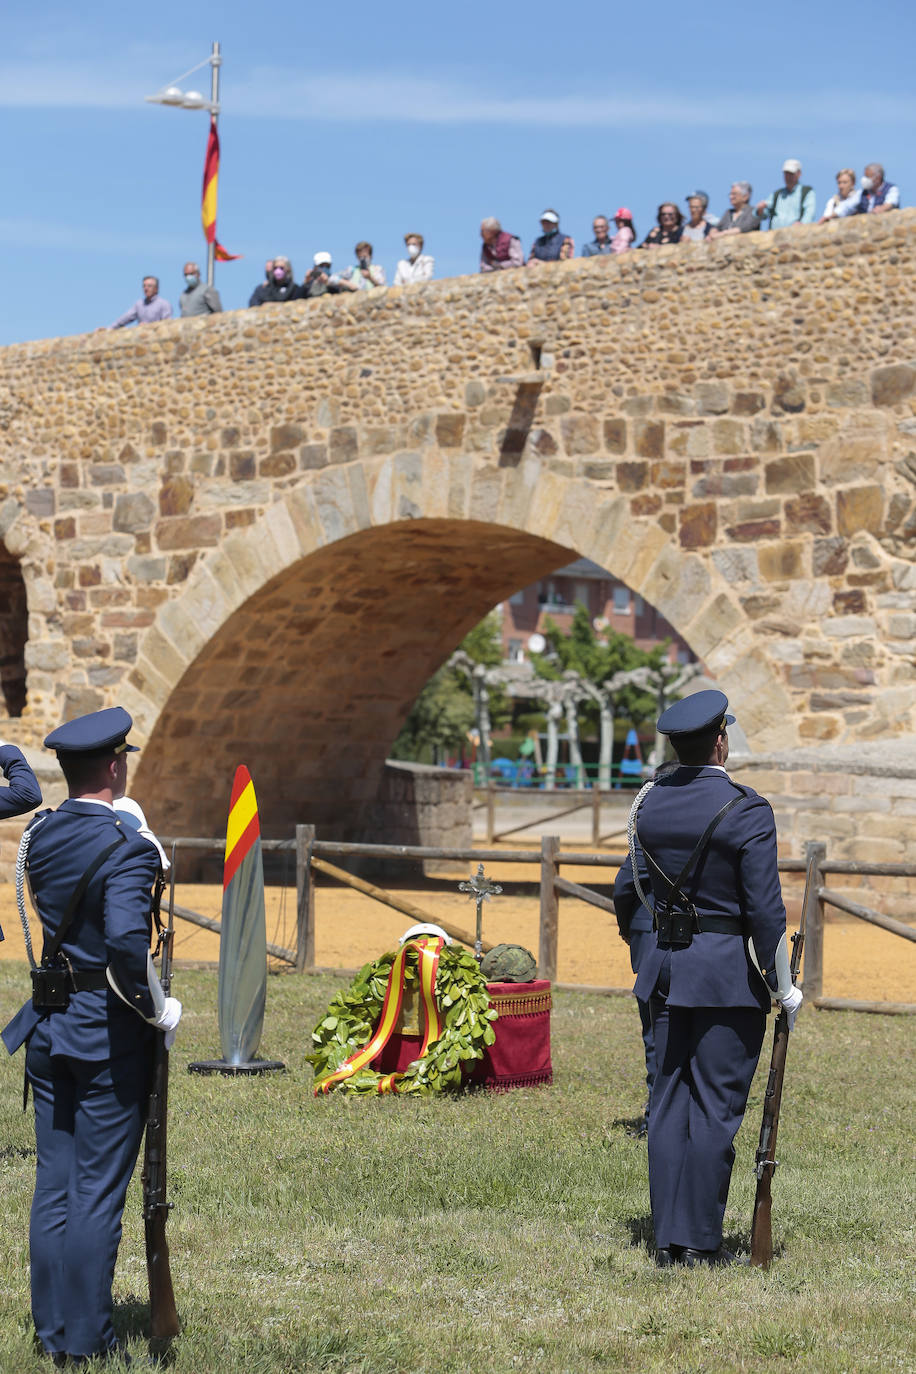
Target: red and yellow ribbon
427, 949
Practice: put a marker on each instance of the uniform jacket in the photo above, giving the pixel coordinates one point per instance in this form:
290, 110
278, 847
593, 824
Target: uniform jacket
111, 926
737, 877
23, 793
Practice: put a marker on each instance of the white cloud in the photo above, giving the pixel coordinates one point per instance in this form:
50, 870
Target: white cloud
391, 96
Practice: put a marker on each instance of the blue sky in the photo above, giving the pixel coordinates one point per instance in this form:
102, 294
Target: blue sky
340, 124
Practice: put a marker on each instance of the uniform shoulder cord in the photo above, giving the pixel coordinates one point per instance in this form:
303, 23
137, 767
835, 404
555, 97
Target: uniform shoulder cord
631, 844
21, 866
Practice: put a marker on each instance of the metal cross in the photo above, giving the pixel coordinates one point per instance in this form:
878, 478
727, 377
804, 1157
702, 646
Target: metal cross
480, 888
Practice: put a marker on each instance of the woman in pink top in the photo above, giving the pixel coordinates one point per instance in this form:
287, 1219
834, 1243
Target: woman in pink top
626, 234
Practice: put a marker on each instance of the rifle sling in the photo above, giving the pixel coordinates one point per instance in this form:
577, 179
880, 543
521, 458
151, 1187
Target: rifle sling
723, 924
49, 953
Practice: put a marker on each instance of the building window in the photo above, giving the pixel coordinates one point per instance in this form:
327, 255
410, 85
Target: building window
517, 598
637, 605
515, 651
554, 596
621, 600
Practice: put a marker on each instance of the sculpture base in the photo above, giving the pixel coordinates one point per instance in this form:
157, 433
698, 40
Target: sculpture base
250, 1066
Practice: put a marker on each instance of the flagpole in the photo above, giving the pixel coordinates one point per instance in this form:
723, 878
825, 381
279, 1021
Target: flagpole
216, 62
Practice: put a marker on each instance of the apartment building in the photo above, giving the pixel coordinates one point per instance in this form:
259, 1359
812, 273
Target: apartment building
610, 603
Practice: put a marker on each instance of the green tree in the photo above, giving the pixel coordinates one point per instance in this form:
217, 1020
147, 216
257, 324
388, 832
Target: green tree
596, 657
443, 713
611, 667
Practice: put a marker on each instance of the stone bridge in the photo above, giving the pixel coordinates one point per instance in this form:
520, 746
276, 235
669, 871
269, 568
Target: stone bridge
261, 532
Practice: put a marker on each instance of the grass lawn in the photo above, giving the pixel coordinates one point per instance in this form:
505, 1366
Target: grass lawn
494, 1233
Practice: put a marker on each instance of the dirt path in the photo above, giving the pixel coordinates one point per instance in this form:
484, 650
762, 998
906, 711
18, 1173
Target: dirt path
860, 960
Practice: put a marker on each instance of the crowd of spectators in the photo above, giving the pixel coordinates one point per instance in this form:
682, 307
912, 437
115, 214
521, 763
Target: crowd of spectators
789, 204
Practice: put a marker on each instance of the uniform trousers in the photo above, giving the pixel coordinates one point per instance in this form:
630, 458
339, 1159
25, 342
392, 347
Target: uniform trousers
705, 1062
89, 1119
640, 942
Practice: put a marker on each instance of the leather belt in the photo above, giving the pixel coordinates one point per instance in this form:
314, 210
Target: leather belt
720, 925
89, 980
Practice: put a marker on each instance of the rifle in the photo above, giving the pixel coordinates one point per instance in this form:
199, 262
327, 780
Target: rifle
156, 1207
765, 1160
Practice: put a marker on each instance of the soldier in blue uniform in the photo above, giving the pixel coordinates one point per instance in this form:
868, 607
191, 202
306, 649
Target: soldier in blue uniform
23, 793
87, 1060
703, 861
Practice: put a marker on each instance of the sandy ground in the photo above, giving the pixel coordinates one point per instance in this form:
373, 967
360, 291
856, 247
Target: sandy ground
860, 960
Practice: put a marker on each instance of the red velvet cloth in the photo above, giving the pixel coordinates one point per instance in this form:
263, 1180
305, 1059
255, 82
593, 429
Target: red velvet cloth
520, 1055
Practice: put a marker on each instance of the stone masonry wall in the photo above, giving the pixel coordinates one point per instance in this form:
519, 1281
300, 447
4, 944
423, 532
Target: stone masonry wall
261, 531
860, 802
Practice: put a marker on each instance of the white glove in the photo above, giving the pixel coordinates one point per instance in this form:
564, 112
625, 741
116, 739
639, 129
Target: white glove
790, 1004
167, 1020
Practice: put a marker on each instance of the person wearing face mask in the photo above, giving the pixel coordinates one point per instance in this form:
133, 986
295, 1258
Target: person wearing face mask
198, 298
365, 275
878, 195
280, 285
550, 245
417, 266
319, 279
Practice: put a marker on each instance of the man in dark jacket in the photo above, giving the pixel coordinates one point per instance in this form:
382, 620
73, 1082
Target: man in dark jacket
703, 860
279, 285
550, 245
89, 1050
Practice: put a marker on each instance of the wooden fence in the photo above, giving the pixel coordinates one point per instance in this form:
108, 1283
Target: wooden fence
314, 856
490, 798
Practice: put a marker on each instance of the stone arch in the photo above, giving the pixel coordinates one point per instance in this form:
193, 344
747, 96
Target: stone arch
307, 636
14, 629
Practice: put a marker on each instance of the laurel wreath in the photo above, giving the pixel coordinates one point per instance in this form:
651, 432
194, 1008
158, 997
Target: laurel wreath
467, 1017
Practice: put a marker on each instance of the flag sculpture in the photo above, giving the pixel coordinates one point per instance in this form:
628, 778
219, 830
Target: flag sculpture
242, 988
210, 196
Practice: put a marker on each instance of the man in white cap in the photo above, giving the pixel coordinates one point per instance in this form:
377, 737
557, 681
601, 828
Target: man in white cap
790, 204
550, 245
319, 279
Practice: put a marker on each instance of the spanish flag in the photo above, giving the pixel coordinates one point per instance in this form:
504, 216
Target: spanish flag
208, 201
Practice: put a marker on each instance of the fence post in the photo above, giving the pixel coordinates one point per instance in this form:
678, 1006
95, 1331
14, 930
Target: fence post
491, 811
596, 813
813, 981
550, 908
305, 898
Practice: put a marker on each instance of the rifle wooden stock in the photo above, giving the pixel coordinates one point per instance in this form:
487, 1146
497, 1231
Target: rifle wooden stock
762, 1225
765, 1160
162, 1311
156, 1207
